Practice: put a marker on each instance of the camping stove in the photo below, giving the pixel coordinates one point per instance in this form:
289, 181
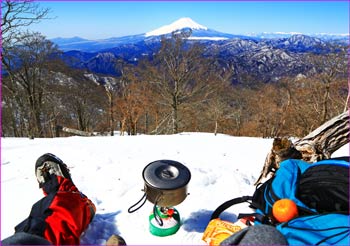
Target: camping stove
165, 186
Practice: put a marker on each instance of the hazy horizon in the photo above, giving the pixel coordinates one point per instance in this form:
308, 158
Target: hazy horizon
100, 20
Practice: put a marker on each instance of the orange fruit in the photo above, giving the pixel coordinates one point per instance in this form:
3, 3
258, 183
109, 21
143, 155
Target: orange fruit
284, 210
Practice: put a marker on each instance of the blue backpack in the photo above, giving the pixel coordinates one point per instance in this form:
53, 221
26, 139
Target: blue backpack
321, 193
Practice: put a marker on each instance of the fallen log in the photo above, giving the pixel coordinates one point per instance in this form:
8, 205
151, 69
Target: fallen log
74, 131
320, 144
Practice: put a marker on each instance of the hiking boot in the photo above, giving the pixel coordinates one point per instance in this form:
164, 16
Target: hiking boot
116, 240
49, 164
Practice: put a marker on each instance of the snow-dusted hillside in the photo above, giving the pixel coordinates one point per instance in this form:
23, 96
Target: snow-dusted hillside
109, 171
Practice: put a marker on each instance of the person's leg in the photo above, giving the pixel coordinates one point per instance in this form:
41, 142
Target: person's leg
71, 213
23, 238
64, 213
256, 235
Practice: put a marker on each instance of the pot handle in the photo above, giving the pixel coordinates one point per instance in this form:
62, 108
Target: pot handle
156, 214
133, 209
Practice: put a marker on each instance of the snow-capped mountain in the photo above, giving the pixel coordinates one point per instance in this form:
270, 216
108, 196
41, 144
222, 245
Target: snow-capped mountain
344, 37
198, 31
176, 26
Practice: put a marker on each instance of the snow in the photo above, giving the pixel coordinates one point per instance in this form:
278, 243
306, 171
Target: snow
208, 38
177, 25
109, 171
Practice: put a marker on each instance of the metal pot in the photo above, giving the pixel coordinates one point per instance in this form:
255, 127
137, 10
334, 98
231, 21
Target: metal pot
165, 186
166, 182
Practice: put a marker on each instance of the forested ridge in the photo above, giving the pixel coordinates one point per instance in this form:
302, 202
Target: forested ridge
177, 89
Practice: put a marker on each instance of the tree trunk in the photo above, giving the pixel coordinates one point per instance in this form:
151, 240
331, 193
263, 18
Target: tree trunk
110, 110
325, 102
347, 102
318, 145
111, 117
174, 116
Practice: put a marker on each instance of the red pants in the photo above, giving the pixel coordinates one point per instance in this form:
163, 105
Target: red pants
62, 215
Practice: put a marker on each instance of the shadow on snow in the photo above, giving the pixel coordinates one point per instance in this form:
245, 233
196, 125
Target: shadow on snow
100, 229
198, 221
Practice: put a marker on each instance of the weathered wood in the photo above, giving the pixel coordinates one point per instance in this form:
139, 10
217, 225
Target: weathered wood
318, 145
76, 132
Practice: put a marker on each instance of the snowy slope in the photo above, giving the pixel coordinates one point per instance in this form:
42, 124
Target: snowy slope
177, 25
109, 171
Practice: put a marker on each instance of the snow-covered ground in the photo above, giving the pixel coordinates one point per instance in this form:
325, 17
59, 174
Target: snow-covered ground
109, 171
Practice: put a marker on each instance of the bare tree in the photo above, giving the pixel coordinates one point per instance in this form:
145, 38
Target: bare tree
178, 75
329, 68
110, 95
14, 111
29, 69
85, 102
219, 108
16, 16
112, 87
132, 104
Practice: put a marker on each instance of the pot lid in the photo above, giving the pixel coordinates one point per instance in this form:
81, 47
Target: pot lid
166, 174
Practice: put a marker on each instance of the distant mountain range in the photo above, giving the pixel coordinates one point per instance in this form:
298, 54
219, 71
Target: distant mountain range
199, 32
266, 55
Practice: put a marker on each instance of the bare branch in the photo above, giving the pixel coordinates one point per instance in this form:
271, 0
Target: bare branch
17, 15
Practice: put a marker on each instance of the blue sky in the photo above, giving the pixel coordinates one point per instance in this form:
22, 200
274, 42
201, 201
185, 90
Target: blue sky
104, 19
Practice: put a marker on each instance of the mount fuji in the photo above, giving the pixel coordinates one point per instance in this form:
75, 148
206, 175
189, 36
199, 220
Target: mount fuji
198, 32
175, 26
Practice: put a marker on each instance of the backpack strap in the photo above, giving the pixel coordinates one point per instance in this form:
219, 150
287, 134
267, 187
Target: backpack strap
263, 219
228, 204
